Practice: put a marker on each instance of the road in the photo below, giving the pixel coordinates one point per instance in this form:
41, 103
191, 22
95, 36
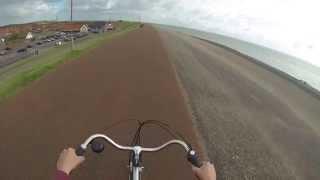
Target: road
255, 124
13, 56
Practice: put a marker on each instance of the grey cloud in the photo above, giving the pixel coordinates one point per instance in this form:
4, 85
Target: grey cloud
268, 22
17, 11
165, 11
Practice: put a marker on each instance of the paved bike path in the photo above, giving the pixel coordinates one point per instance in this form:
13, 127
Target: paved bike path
128, 78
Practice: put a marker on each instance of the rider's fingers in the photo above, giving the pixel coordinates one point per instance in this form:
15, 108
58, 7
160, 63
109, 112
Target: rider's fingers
207, 163
82, 158
195, 169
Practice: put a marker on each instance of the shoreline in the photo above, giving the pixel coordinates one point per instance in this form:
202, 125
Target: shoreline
300, 83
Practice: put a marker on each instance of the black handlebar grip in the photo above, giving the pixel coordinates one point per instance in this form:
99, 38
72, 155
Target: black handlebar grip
194, 159
80, 151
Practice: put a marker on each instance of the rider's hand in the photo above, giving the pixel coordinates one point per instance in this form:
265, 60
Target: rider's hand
205, 172
68, 160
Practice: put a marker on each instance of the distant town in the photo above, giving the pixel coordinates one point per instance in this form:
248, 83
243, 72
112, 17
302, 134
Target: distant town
22, 40
30, 31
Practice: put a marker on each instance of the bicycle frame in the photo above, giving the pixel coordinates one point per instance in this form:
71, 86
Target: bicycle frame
135, 165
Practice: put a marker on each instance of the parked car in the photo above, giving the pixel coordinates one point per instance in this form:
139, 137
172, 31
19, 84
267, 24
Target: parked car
58, 43
67, 39
39, 43
80, 35
29, 46
3, 52
110, 27
21, 50
96, 31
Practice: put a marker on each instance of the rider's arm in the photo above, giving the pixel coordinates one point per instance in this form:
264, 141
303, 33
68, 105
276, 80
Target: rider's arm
67, 162
205, 172
60, 175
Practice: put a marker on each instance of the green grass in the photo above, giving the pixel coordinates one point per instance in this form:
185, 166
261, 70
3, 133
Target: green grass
15, 77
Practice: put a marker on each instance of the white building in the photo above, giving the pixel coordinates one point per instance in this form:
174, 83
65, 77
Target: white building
84, 28
108, 27
29, 36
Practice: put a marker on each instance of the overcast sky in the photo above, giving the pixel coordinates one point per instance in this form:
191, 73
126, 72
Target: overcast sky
291, 26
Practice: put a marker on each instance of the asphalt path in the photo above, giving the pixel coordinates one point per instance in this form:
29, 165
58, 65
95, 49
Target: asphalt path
130, 77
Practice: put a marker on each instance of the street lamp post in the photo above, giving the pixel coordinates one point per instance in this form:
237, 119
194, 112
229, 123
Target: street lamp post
71, 19
71, 10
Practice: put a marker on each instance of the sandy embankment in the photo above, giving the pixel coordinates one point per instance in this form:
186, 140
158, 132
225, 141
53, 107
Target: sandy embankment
257, 124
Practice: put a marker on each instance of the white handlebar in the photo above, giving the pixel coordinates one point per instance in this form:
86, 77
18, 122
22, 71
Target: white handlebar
130, 148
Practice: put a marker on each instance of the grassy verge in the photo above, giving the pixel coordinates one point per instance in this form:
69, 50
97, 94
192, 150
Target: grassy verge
16, 76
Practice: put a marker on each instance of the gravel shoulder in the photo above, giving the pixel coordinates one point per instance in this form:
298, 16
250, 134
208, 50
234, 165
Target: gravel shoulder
255, 123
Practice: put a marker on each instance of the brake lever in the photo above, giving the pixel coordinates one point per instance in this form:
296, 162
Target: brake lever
193, 158
80, 151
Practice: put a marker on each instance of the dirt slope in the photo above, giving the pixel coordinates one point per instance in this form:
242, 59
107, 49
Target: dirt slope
256, 124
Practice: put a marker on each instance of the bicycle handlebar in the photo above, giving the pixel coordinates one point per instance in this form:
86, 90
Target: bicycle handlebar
191, 156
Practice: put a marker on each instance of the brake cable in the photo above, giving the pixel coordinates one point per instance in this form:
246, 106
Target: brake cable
137, 136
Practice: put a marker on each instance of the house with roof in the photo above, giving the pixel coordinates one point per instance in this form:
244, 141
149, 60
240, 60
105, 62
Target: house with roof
84, 28
2, 43
4, 32
75, 27
29, 36
109, 27
97, 26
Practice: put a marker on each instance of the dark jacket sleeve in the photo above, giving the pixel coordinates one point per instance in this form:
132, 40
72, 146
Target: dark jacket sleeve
60, 175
